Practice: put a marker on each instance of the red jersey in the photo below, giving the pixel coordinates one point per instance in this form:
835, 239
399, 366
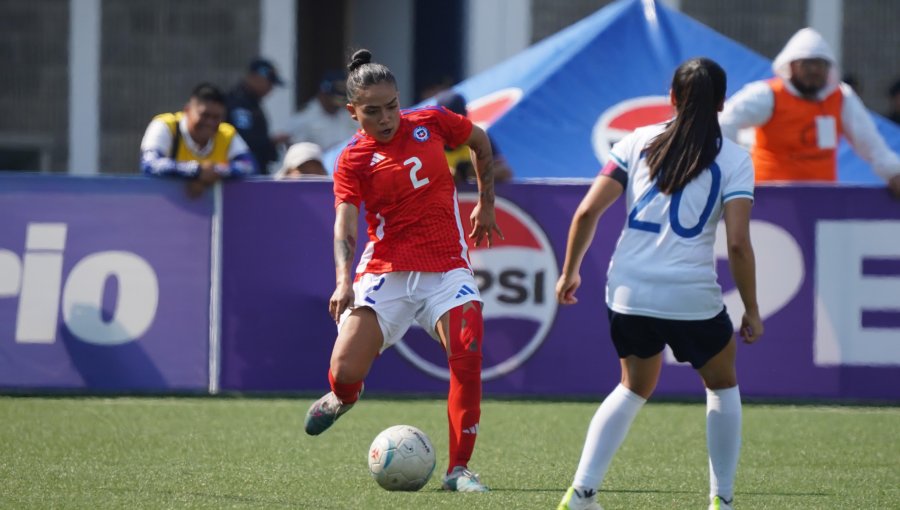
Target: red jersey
411, 207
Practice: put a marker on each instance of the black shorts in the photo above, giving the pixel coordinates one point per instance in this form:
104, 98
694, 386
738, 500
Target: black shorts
693, 341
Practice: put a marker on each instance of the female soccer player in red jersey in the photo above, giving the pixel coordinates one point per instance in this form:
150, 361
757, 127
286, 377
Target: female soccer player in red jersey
416, 264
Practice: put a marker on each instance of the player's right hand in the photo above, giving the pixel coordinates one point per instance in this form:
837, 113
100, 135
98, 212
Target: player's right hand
341, 299
484, 224
566, 287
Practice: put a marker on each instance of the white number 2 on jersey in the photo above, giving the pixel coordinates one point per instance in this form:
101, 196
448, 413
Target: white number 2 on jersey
416, 166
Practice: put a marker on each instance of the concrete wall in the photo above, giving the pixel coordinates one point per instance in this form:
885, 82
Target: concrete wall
871, 43
34, 76
551, 16
154, 53
761, 25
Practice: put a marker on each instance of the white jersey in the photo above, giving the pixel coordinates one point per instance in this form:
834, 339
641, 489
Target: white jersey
664, 265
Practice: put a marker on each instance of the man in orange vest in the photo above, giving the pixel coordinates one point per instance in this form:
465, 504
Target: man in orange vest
800, 115
195, 143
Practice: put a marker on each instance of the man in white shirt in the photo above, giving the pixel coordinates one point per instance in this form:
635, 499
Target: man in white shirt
323, 120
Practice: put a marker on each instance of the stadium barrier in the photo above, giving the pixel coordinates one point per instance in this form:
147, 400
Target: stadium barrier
125, 284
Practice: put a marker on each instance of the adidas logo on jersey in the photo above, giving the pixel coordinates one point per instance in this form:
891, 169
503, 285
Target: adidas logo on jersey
376, 158
471, 430
464, 291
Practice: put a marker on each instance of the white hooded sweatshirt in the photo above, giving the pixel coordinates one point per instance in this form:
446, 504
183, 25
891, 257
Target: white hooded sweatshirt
753, 104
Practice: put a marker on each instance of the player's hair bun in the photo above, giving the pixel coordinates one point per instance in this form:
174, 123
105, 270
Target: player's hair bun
363, 73
359, 58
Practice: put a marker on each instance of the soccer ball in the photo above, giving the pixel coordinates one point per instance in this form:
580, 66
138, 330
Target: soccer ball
401, 458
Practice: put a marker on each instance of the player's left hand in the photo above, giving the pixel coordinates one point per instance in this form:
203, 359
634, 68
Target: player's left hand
484, 224
341, 299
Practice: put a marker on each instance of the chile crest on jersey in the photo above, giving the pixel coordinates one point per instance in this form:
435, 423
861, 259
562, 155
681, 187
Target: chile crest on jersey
516, 278
421, 134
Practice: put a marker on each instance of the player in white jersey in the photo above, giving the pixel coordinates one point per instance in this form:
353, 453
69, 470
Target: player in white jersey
679, 179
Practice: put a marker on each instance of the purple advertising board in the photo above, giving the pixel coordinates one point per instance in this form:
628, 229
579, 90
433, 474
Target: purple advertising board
828, 270
104, 284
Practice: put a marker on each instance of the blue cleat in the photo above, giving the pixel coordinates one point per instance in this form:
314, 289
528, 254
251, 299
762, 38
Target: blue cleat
461, 479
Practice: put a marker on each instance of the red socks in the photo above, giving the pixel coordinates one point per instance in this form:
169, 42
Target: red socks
347, 393
464, 398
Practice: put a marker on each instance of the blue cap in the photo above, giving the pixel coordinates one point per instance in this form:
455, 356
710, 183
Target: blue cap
333, 82
266, 69
452, 101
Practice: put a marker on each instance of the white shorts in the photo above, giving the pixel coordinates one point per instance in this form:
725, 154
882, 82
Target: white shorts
401, 297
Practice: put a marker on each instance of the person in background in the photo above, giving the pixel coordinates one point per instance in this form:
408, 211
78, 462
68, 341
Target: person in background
195, 143
679, 179
800, 115
894, 95
460, 158
433, 88
301, 160
245, 111
323, 120
416, 265
854, 83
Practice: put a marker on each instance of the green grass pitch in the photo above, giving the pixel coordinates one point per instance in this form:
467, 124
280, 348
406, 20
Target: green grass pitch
215, 453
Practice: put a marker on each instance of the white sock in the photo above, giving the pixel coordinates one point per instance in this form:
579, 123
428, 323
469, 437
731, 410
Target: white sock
723, 439
607, 430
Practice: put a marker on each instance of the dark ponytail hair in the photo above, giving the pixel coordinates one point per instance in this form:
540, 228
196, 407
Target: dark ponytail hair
362, 73
693, 139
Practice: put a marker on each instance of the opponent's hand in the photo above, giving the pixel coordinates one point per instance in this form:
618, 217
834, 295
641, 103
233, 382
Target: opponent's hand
484, 224
751, 327
341, 299
566, 287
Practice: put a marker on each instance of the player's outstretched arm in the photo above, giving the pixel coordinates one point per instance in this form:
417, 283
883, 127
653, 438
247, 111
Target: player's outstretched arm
345, 228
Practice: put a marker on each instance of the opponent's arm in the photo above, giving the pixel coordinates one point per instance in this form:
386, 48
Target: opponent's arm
345, 228
604, 191
483, 221
743, 264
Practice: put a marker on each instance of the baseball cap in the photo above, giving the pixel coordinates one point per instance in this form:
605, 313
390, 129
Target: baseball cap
298, 154
452, 101
333, 82
266, 69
